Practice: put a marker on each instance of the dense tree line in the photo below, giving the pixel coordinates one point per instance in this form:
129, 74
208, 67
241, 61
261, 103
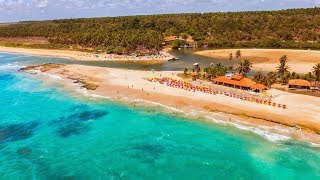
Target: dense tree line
295, 28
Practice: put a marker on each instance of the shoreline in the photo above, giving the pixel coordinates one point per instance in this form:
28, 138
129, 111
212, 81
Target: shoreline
83, 56
300, 61
113, 84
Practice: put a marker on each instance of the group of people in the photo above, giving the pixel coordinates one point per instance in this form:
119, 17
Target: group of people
175, 83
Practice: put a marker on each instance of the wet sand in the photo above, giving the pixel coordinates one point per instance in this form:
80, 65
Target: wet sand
129, 85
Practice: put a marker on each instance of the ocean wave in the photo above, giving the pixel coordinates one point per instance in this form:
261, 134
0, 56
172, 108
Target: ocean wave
51, 76
159, 104
262, 131
315, 145
87, 94
10, 67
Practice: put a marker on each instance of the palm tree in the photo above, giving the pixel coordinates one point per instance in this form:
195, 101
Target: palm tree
283, 68
259, 77
308, 76
316, 72
230, 68
238, 54
210, 71
285, 78
271, 78
244, 66
219, 65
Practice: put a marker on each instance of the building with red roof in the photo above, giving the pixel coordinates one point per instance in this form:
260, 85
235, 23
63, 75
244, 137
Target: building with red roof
299, 84
240, 82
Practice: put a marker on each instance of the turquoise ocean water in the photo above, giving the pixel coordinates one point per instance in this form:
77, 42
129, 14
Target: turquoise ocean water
46, 133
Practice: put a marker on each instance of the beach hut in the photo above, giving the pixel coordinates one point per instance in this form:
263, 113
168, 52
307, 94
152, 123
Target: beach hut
259, 88
299, 84
235, 81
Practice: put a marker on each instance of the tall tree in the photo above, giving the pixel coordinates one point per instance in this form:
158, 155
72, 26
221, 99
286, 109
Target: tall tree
271, 78
283, 67
244, 67
258, 77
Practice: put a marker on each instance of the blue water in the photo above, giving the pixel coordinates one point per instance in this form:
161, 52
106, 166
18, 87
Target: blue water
48, 133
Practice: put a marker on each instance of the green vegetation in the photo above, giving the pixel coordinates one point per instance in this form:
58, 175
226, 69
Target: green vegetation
215, 71
282, 74
295, 28
244, 67
316, 72
37, 46
283, 70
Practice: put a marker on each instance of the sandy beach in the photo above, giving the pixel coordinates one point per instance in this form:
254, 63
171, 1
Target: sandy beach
83, 56
300, 61
132, 86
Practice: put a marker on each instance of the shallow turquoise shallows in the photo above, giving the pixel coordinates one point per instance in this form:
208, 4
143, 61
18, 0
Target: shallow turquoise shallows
47, 133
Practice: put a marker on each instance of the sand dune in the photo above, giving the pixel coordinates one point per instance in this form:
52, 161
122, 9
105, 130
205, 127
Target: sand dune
300, 61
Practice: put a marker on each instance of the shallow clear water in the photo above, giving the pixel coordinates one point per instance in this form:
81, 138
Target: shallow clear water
50, 134
187, 59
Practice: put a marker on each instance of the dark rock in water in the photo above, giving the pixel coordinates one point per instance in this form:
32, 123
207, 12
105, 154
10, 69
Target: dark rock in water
91, 115
16, 132
83, 116
75, 124
72, 128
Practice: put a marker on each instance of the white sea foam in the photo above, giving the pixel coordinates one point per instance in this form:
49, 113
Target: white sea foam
52, 76
159, 104
10, 67
263, 131
315, 145
87, 94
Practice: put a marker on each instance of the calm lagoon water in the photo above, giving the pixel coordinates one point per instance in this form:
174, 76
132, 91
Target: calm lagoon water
46, 133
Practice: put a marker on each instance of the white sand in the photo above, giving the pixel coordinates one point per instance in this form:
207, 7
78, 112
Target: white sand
81, 56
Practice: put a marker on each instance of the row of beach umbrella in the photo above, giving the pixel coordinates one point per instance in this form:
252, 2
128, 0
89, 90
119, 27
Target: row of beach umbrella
175, 83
